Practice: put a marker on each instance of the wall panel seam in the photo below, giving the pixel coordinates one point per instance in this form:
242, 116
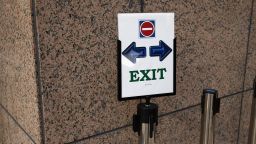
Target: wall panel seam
17, 123
38, 70
245, 70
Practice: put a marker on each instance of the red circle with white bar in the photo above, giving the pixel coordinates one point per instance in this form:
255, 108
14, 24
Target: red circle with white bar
147, 29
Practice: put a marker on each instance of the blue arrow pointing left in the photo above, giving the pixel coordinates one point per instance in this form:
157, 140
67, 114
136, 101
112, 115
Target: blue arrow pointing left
132, 52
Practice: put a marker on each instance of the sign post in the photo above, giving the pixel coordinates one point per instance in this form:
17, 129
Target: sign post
147, 65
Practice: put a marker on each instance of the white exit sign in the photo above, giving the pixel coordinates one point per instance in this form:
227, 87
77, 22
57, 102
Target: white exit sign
146, 49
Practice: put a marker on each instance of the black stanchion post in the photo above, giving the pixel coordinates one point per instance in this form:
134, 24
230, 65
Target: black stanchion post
145, 121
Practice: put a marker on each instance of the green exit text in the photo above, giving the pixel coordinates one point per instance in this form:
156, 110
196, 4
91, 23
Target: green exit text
147, 75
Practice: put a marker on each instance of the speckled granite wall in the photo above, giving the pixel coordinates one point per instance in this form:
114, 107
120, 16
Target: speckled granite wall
78, 50
183, 127
18, 91
78, 60
78, 73
250, 74
10, 132
211, 52
77, 41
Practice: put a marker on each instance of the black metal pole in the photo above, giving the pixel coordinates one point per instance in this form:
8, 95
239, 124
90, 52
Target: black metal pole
145, 121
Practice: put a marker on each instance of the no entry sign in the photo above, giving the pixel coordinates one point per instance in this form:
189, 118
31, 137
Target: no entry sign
146, 55
147, 28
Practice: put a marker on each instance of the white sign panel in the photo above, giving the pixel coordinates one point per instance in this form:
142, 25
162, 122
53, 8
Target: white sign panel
146, 55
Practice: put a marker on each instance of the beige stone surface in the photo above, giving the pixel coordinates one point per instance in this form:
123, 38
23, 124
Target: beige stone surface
79, 60
79, 67
79, 70
18, 91
10, 133
183, 127
251, 60
123, 136
245, 118
211, 47
249, 78
1, 126
227, 121
180, 128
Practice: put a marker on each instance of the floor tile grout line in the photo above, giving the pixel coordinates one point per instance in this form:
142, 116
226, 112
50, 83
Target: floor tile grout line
38, 71
160, 116
16, 122
245, 70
